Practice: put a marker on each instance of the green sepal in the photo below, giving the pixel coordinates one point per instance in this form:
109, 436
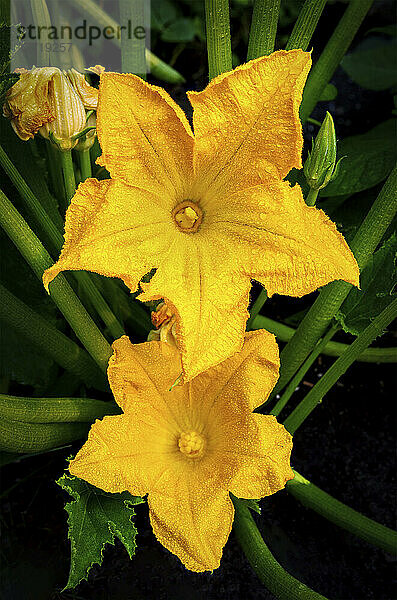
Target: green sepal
109, 516
377, 282
249, 503
82, 133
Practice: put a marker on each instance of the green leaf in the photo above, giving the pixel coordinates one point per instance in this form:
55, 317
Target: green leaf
181, 30
377, 282
96, 518
386, 30
370, 158
163, 12
373, 65
329, 93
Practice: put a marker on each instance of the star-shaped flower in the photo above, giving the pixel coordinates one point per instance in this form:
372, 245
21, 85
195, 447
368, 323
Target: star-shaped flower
209, 211
188, 447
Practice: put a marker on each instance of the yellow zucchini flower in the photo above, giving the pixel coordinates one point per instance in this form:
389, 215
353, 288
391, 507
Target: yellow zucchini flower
188, 447
209, 211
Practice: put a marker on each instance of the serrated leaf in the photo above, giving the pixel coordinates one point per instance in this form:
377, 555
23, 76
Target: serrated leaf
95, 519
373, 65
370, 158
377, 282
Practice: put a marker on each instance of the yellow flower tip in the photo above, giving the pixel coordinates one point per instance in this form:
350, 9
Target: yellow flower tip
49, 275
191, 444
187, 216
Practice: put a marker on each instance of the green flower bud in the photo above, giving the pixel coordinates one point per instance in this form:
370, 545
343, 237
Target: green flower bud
320, 167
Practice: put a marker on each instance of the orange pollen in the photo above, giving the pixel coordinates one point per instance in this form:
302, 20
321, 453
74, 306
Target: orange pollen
187, 216
191, 444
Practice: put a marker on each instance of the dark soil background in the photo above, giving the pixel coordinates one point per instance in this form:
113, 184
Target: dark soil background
347, 447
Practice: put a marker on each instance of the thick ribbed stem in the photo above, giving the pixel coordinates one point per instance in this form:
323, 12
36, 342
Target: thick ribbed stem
50, 341
284, 333
325, 505
295, 381
218, 37
318, 318
333, 53
64, 297
68, 173
263, 28
305, 24
278, 581
340, 366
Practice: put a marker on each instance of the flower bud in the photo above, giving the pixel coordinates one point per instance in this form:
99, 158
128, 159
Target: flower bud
319, 168
165, 321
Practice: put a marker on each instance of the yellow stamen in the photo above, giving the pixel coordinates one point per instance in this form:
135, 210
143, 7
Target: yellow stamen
187, 216
191, 443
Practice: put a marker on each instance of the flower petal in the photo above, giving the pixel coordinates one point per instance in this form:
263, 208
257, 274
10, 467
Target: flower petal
144, 135
139, 373
284, 244
113, 458
246, 122
114, 230
210, 301
265, 468
195, 524
246, 378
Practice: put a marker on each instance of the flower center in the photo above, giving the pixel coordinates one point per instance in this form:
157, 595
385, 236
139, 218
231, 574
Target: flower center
187, 216
191, 443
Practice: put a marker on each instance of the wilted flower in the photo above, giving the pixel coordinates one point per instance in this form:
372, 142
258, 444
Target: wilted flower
51, 102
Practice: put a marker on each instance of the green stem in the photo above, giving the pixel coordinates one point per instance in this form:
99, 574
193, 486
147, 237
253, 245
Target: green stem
218, 37
55, 239
55, 410
284, 333
311, 197
21, 437
256, 307
340, 366
68, 173
132, 49
305, 24
84, 159
38, 258
50, 341
55, 171
157, 67
332, 54
263, 28
295, 381
330, 299
278, 581
325, 505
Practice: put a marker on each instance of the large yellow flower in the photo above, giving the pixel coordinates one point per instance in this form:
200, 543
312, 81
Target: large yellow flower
208, 211
188, 447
